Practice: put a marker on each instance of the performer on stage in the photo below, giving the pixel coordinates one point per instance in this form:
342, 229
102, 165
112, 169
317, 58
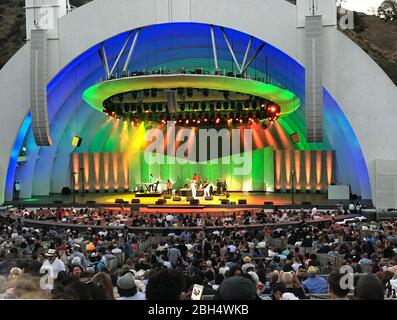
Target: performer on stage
151, 183
207, 188
168, 187
193, 187
196, 178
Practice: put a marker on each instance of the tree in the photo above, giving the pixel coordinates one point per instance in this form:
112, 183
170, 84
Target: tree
388, 10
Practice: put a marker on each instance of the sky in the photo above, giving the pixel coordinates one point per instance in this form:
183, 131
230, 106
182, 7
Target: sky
361, 5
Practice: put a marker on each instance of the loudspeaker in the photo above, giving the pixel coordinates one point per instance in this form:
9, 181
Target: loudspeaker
76, 141
233, 203
209, 198
135, 201
176, 199
66, 190
242, 201
161, 201
295, 138
194, 202
167, 196
224, 201
91, 202
119, 201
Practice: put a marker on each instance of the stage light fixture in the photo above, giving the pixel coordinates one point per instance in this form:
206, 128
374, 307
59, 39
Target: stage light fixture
180, 91
203, 106
195, 106
160, 108
226, 94
182, 107
189, 92
226, 105
264, 126
246, 105
153, 108
218, 106
212, 107
154, 93
206, 92
254, 105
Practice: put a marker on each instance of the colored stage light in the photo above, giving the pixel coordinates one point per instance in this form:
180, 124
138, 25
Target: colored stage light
187, 121
198, 121
203, 106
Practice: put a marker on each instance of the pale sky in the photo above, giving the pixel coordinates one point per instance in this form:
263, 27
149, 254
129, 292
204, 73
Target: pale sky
361, 5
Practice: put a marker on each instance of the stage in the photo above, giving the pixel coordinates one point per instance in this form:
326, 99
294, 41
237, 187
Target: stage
252, 200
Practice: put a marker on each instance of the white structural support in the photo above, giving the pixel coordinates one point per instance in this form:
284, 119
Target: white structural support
214, 48
246, 65
246, 53
127, 62
231, 49
104, 59
121, 53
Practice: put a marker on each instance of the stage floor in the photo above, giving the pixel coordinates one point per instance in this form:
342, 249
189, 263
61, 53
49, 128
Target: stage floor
253, 199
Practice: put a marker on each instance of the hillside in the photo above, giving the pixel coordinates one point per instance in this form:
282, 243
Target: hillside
377, 38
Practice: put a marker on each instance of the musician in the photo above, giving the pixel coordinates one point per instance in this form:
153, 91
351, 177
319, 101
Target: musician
193, 187
196, 178
207, 188
168, 187
153, 183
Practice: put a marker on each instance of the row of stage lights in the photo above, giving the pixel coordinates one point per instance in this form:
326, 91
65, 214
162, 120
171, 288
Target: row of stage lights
139, 108
202, 119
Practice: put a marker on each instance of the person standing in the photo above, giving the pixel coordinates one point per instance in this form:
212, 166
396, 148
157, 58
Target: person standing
168, 186
193, 188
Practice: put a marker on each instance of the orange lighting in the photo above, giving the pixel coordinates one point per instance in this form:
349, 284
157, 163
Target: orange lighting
318, 167
115, 165
288, 168
106, 168
308, 165
75, 162
298, 169
86, 161
329, 165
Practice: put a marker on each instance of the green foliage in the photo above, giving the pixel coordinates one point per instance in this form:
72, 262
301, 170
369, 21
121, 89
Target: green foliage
388, 10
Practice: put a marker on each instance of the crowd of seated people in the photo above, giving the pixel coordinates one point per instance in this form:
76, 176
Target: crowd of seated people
280, 264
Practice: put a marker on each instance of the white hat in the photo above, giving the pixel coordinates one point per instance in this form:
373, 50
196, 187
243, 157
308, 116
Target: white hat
50, 253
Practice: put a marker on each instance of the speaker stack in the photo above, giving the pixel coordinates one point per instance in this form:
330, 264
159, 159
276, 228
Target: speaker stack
176, 199
209, 198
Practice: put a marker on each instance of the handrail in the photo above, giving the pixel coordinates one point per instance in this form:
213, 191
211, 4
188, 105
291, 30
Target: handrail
44, 223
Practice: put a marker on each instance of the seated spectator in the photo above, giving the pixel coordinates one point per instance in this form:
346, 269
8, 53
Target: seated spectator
369, 287
292, 284
315, 284
127, 288
335, 290
236, 288
165, 285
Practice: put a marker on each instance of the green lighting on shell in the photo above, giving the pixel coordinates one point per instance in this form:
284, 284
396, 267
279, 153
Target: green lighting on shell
98, 93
